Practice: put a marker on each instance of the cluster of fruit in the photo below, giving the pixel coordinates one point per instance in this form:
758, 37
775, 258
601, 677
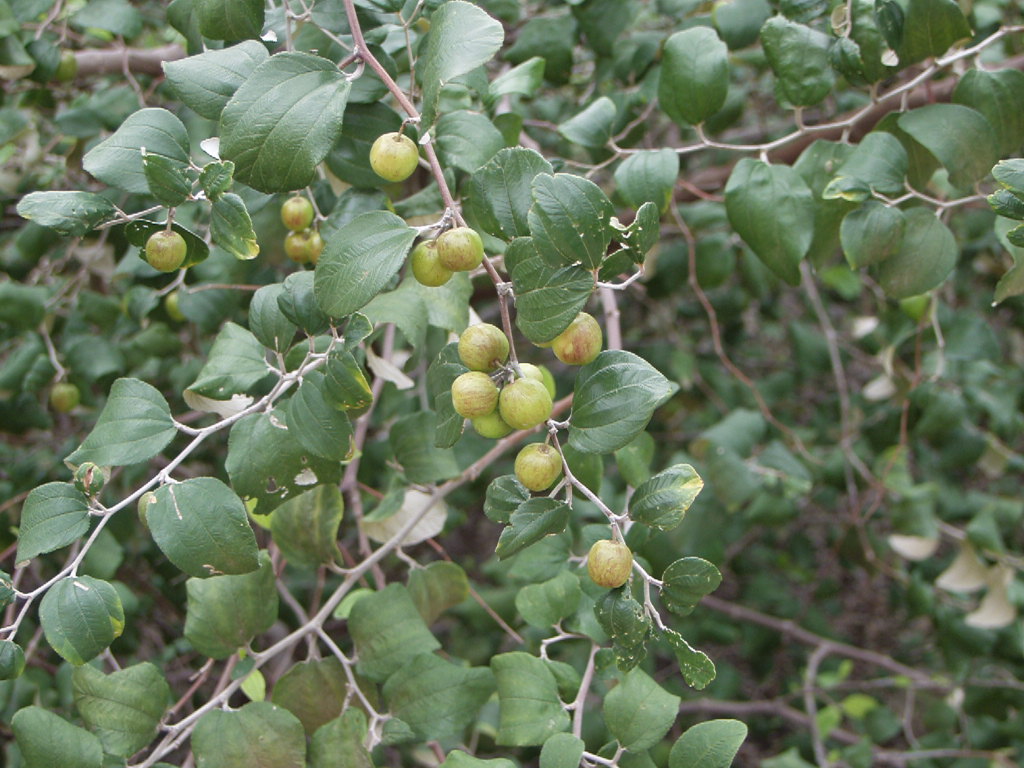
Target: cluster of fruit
303, 244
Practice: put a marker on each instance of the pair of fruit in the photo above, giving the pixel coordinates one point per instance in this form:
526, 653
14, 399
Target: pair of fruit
522, 403
302, 244
455, 250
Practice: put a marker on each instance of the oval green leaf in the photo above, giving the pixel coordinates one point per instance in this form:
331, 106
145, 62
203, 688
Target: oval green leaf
53, 516
117, 160
80, 617
694, 78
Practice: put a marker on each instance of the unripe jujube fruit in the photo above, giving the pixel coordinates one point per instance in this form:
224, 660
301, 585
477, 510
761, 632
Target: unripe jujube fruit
524, 403
165, 250
609, 563
483, 347
394, 156
297, 213
491, 425
426, 265
172, 306
537, 466
143, 507
541, 374
64, 397
12, 660
304, 247
460, 249
89, 479
581, 342
67, 68
474, 395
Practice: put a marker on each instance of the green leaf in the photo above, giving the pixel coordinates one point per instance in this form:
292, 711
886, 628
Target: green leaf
53, 516
1005, 203
548, 298
298, 303
591, 127
231, 227
360, 260
318, 426
67, 213
267, 322
216, 178
80, 617
47, 740
871, 233
12, 659
927, 256
168, 180
235, 364
117, 160
345, 384
712, 744
259, 735
134, 426
282, 121
879, 162
648, 176
462, 37
1010, 173
500, 195
959, 137
459, 759
624, 620
436, 588
533, 520
798, 55
529, 708
1012, 282
930, 27
207, 81
315, 691
226, 612
22, 306
740, 21
306, 527
562, 750
771, 208
466, 140
569, 220
523, 79
412, 440
615, 396
634, 459
662, 501
268, 463
435, 697
201, 525
686, 581
229, 19
115, 16
694, 77
545, 604
339, 742
816, 166
504, 496
698, 670
643, 233
999, 96
123, 708
388, 632
638, 711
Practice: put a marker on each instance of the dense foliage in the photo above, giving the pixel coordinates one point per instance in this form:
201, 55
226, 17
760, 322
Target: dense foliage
745, 275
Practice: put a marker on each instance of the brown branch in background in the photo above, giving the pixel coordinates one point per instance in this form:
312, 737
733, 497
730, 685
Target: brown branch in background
143, 61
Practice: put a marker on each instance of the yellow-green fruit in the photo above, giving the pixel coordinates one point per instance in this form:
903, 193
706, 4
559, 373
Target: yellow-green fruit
474, 395
172, 302
537, 466
460, 249
12, 660
427, 267
524, 404
483, 347
165, 250
541, 374
67, 69
609, 563
915, 307
143, 508
394, 156
64, 397
297, 213
491, 425
581, 342
304, 247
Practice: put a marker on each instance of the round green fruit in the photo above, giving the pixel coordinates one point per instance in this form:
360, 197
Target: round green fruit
541, 374
64, 397
426, 265
172, 306
89, 479
460, 249
165, 250
609, 563
915, 307
67, 69
581, 342
304, 247
537, 466
474, 395
524, 404
394, 156
483, 347
491, 425
12, 660
297, 213
143, 507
